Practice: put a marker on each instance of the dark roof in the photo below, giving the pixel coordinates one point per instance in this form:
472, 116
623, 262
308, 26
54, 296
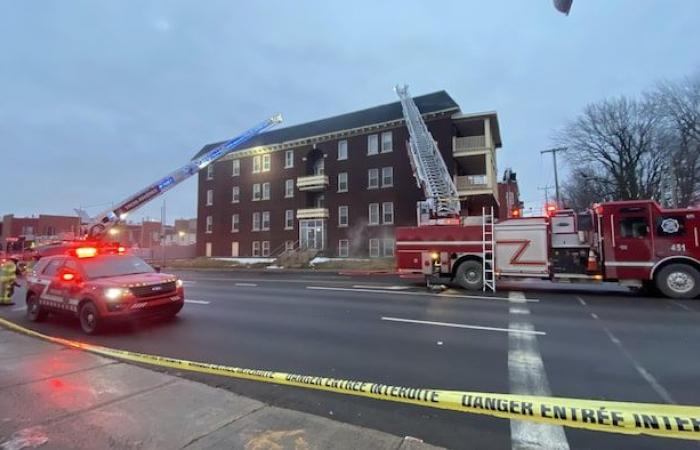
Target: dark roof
429, 103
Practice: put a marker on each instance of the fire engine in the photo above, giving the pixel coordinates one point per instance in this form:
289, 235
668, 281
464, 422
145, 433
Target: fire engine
634, 243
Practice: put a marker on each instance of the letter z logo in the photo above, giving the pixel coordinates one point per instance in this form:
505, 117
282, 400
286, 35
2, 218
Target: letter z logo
515, 259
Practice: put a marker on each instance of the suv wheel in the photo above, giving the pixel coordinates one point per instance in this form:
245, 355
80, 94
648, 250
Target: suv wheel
470, 275
679, 281
89, 318
35, 313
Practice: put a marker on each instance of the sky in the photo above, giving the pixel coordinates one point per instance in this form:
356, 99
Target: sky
99, 99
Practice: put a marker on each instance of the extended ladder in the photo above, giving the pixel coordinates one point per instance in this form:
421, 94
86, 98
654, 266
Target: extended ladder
427, 162
488, 249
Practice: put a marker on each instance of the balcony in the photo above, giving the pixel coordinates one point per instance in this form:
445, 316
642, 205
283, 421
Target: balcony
463, 146
313, 183
473, 184
312, 213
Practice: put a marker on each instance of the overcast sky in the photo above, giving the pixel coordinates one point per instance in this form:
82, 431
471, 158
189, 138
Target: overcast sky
98, 99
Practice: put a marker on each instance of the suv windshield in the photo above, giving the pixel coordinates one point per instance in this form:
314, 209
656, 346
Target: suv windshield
114, 265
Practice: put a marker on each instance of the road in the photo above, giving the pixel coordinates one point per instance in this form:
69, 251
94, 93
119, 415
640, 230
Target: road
568, 341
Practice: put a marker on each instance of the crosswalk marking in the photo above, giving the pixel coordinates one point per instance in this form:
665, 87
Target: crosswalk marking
527, 376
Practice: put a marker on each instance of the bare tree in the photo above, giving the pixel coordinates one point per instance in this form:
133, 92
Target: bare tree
583, 188
615, 143
679, 105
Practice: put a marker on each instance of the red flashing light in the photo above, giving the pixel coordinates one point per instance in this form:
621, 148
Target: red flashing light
551, 209
67, 276
85, 252
515, 213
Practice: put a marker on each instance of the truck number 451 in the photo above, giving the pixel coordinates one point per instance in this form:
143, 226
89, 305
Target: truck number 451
677, 247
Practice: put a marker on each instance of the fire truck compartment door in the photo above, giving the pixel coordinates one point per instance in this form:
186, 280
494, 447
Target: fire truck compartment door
521, 247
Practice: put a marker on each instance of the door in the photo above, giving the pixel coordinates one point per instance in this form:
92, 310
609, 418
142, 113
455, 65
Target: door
53, 293
207, 249
631, 243
234, 249
311, 234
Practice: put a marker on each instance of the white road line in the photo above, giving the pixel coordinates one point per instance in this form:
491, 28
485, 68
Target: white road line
188, 283
527, 376
682, 306
20, 308
460, 325
379, 291
660, 390
581, 301
379, 286
198, 302
246, 284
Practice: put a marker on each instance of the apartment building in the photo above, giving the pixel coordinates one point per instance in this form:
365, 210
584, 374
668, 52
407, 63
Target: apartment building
341, 184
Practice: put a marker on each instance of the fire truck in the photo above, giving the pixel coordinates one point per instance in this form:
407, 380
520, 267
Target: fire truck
634, 243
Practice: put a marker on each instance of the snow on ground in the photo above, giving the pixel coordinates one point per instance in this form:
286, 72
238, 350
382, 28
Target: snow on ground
247, 260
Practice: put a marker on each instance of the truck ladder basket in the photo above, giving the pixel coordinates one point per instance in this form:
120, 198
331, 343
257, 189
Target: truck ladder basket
488, 248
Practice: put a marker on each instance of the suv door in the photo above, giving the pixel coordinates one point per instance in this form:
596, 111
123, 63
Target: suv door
53, 293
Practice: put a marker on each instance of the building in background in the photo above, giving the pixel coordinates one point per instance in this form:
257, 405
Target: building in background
341, 184
43, 227
150, 234
509, 196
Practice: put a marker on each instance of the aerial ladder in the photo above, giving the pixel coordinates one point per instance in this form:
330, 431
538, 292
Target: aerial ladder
441, 197
98, 227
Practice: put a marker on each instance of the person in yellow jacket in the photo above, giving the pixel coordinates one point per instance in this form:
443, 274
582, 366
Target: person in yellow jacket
7, 281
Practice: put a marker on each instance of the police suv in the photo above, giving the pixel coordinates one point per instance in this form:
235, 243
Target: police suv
100, 284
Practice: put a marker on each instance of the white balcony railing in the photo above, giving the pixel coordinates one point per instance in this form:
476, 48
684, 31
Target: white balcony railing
469, 144
472, 182
312, 213
312, 183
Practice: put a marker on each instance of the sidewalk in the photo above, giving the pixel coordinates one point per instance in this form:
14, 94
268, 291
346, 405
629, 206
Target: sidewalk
56, 397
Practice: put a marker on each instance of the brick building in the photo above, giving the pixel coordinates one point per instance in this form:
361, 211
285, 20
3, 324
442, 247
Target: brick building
509, 196
41, 227
339, 184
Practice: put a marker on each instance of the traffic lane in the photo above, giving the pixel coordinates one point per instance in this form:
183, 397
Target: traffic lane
260, 337
582, 362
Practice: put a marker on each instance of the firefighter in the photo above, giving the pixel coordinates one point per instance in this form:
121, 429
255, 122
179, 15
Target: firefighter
7, 282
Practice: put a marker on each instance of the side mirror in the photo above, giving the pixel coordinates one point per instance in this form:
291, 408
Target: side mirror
157, 269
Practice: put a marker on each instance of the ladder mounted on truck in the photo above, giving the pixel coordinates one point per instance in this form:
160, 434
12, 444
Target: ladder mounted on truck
100, 225
428, 165
488, 247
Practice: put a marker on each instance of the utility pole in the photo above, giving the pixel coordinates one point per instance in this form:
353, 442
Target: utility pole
554, 151
546, 192
162, 231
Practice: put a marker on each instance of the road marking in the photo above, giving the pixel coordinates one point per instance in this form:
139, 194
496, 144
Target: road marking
379, 286
378, 291
460, 325
20, 308
188, 283
246, 284
682, 306
581, 301
527, 376
519, 310
198, 302
660, 390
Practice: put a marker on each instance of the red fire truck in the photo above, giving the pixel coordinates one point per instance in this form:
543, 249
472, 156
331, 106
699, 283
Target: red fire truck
635, 243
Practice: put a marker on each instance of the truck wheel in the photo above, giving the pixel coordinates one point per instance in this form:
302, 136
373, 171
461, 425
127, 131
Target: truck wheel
679, 281
89, 318
470, 275
35, 313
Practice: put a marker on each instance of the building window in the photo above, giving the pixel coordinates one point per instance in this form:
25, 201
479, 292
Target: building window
343, 248
256, 248
387, 144
266, 162
288, 188
289, 159
266, 220
266, 191
256, 164
289, 219
266, 248
342, 216
319, 166
388, 213
342, 150
235, 194
256, 192
374, 213
210, 224
374, 248
288, 246
50, 230
236, 167
210, 172
372, 178
372, 144
256, 221
235, 221
387, 176
343, 182
210, 197
388, 247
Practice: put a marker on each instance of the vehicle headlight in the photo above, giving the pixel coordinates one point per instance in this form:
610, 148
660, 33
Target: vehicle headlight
178, 283
114, 293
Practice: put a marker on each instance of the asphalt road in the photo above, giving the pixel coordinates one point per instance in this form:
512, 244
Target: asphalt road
563, 340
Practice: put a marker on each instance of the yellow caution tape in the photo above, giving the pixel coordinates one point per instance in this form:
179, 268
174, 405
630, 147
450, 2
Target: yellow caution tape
673, 421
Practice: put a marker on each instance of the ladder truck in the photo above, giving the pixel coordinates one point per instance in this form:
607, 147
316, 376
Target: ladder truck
633, 243
97, 228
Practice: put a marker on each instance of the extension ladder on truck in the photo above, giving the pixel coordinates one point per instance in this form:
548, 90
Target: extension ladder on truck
488, 249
